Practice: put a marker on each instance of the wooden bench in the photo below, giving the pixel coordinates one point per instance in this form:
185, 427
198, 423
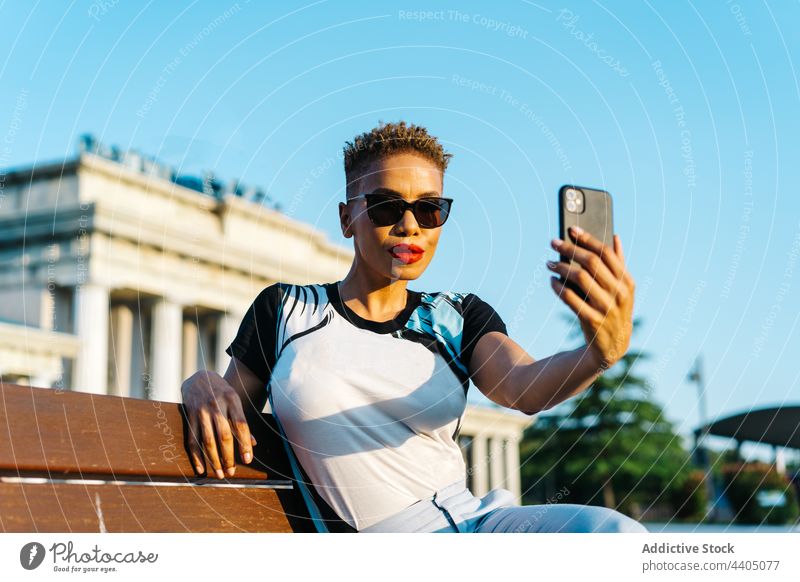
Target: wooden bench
79, 462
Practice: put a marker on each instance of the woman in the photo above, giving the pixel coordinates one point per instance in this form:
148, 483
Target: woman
368, 379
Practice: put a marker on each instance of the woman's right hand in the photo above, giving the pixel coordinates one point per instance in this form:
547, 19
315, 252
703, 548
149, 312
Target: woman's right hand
215, 416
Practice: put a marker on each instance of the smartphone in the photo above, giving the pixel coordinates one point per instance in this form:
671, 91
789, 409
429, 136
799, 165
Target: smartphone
590, 209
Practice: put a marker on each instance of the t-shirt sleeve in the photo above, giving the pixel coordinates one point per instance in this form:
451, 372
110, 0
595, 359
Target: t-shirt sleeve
254, 344
479, 318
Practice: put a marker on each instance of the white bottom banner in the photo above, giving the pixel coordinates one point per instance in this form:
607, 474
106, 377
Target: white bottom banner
402, 557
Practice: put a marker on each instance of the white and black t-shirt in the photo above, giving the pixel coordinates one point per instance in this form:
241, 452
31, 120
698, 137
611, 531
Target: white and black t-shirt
370, 410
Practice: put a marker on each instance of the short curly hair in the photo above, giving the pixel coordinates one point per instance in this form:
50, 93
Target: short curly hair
387, 139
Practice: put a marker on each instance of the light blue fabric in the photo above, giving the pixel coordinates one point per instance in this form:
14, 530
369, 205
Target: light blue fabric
438, 318
454, 509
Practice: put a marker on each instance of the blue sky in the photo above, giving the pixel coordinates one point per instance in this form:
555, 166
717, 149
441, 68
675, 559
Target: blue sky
686, 112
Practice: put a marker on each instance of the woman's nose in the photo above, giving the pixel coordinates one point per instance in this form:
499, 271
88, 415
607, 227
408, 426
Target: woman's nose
408, 223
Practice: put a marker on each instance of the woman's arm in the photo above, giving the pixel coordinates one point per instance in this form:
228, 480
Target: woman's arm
215, 408
508, 375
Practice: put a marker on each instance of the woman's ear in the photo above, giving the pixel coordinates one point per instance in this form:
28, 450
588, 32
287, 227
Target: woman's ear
344, 220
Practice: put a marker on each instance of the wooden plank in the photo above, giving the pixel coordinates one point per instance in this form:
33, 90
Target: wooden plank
70, 461
59, 507
64, 432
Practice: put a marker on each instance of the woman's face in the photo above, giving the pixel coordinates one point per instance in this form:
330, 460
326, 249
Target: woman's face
411, 176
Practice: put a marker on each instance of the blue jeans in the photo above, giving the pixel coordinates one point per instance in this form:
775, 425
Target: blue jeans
454, 509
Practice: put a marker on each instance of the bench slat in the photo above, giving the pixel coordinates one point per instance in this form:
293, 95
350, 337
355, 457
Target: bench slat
66, 458
65, 432
58, 507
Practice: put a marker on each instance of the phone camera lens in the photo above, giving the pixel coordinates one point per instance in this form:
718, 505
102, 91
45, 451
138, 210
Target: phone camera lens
571, 206
571, 194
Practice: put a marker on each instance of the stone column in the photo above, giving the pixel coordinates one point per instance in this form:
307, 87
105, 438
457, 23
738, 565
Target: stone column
190, 343
207, 333
122, 343
496, 460
513, 478
478, 465
780, 460
44, 379
227, 326
165, 350
91, 327
140, 360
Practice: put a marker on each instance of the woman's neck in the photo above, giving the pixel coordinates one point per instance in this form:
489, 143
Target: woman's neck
375, 302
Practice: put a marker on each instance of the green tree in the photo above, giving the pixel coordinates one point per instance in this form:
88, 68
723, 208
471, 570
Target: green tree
610, 445
745, 483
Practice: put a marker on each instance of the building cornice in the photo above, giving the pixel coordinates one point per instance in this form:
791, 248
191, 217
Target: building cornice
35, 340
504, 421
53, 169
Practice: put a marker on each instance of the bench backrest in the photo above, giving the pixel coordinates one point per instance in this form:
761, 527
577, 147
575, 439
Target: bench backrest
79, 462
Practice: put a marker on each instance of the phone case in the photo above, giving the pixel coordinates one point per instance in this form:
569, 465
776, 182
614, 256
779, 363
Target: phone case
595, 216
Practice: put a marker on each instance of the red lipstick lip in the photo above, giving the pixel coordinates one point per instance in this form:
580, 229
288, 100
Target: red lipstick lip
407, 248
407, 253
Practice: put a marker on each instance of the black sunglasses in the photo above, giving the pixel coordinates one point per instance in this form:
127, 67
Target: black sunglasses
387, 209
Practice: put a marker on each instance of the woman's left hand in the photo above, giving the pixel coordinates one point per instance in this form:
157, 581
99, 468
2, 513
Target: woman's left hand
606, 319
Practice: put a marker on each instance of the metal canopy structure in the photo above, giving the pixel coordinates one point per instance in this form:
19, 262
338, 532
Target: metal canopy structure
777, 426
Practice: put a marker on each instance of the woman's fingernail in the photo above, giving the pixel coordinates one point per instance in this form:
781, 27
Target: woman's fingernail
220, 474
231, 471
551, 264
577, 230
556, 242
248, 457
199, 468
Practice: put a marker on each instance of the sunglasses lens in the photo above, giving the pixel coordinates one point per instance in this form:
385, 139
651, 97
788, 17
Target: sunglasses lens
388, 210
432, 213
384, 210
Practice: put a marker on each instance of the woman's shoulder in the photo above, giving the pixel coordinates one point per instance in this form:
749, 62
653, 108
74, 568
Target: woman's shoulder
449, 296
294, 293
271, 296
315, 293
282, 286
469, 305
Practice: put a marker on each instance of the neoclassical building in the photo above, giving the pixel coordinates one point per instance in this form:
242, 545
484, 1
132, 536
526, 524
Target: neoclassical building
118, 276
